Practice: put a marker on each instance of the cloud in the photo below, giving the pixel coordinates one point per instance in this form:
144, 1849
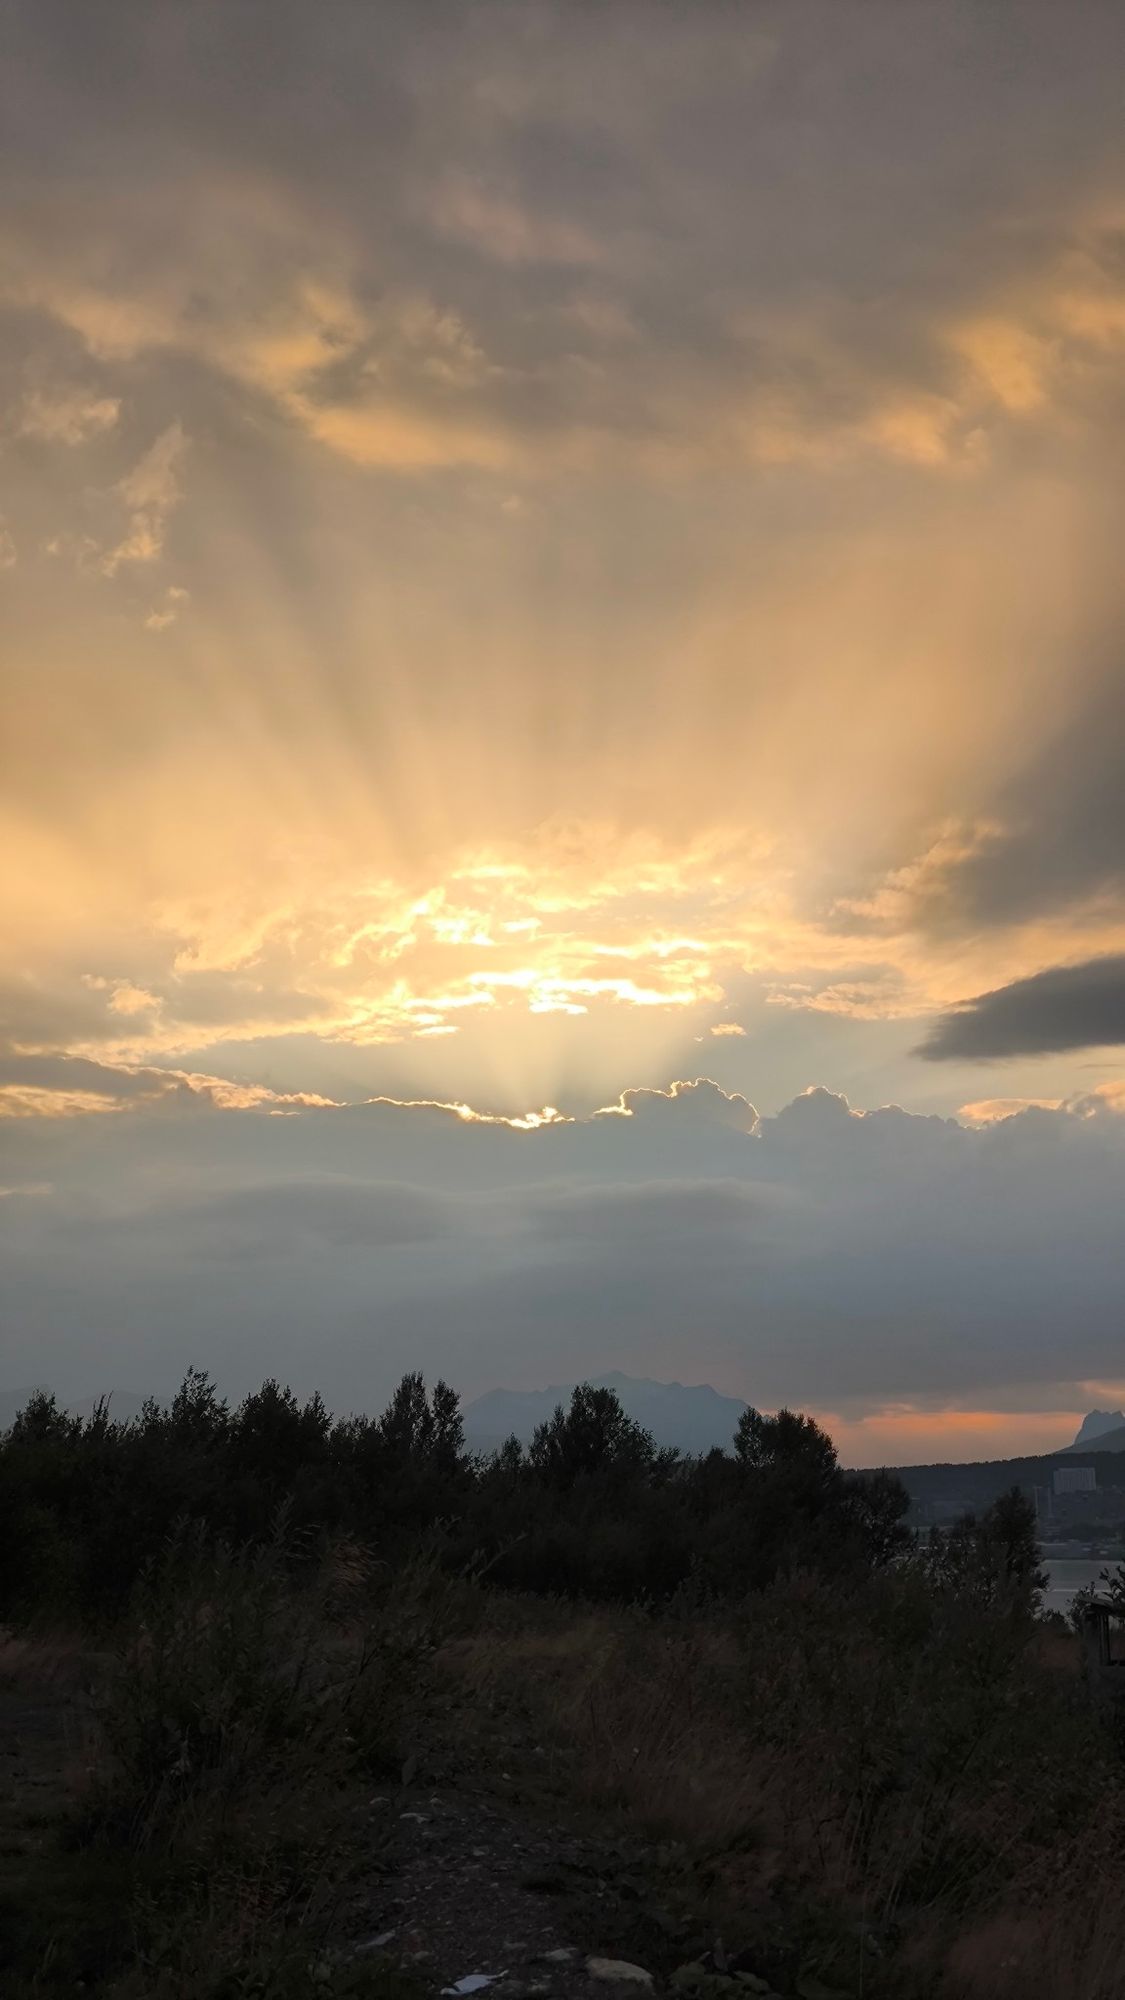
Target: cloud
1104, 1100
1014, 363
497, 225
70, 416
1051, 835
8, 553
777, 314
159, 619
578, 923
1066, 1007
244, 1223
35, 1086
990, 1110
377, 433
396, 960
149, 493
702, 1102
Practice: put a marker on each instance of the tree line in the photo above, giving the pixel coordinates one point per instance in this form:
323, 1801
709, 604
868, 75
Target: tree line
590, 1508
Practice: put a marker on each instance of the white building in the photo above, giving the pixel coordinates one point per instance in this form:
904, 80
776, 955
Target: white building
1075, 1479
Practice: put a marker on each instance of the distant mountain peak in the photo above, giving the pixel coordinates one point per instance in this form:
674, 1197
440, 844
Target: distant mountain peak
1096, 1423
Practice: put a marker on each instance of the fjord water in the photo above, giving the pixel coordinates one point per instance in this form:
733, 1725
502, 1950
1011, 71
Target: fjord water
1069, 1574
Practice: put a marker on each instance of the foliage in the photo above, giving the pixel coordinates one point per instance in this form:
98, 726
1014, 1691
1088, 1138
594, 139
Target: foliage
994, 1561
253, 1694
591, 1509
1110, 1586
593, 1436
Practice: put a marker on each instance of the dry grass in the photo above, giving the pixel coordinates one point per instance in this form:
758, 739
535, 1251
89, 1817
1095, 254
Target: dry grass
916, 1824
634, 1718
688, 1733
1072, 1948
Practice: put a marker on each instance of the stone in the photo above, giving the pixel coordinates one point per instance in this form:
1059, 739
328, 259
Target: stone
618, 1972
633, 1887
696, 1977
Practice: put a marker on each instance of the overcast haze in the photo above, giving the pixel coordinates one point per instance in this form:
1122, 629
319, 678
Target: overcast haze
546, 550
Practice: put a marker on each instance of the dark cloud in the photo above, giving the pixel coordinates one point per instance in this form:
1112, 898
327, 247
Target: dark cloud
1061, 821
34, 1017
1067, 1007
334, 1214
820, 1256
79, 1073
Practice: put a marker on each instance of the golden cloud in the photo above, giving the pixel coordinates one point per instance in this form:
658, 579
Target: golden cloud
70, 416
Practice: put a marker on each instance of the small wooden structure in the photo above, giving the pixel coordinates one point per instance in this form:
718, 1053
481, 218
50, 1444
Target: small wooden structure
1102, 1631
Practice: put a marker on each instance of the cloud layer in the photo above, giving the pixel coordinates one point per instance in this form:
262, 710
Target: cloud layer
891, 1271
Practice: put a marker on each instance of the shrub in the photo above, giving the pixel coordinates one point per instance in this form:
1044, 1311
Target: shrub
246, 1665
253, 1693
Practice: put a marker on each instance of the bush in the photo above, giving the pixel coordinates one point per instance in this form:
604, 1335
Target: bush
244, 1665
254, 1692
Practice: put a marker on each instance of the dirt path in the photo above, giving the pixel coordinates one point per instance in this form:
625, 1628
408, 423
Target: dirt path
481, 1886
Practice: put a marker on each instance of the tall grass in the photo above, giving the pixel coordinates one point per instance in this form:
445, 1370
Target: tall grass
889, 1790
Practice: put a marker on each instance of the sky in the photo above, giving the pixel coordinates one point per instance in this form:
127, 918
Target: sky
562, 764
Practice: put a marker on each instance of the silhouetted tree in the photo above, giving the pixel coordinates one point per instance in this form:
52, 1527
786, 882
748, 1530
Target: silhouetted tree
42, 1422
274, 1438
994, 1560
876, 1504
593, 1436
447, 1442
198, 1415
406, 1426
788, 1442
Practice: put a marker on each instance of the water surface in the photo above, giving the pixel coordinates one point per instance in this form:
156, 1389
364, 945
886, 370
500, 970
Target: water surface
1068, 1574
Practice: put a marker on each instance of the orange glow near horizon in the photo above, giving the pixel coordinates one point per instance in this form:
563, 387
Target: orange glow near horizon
924, 1437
